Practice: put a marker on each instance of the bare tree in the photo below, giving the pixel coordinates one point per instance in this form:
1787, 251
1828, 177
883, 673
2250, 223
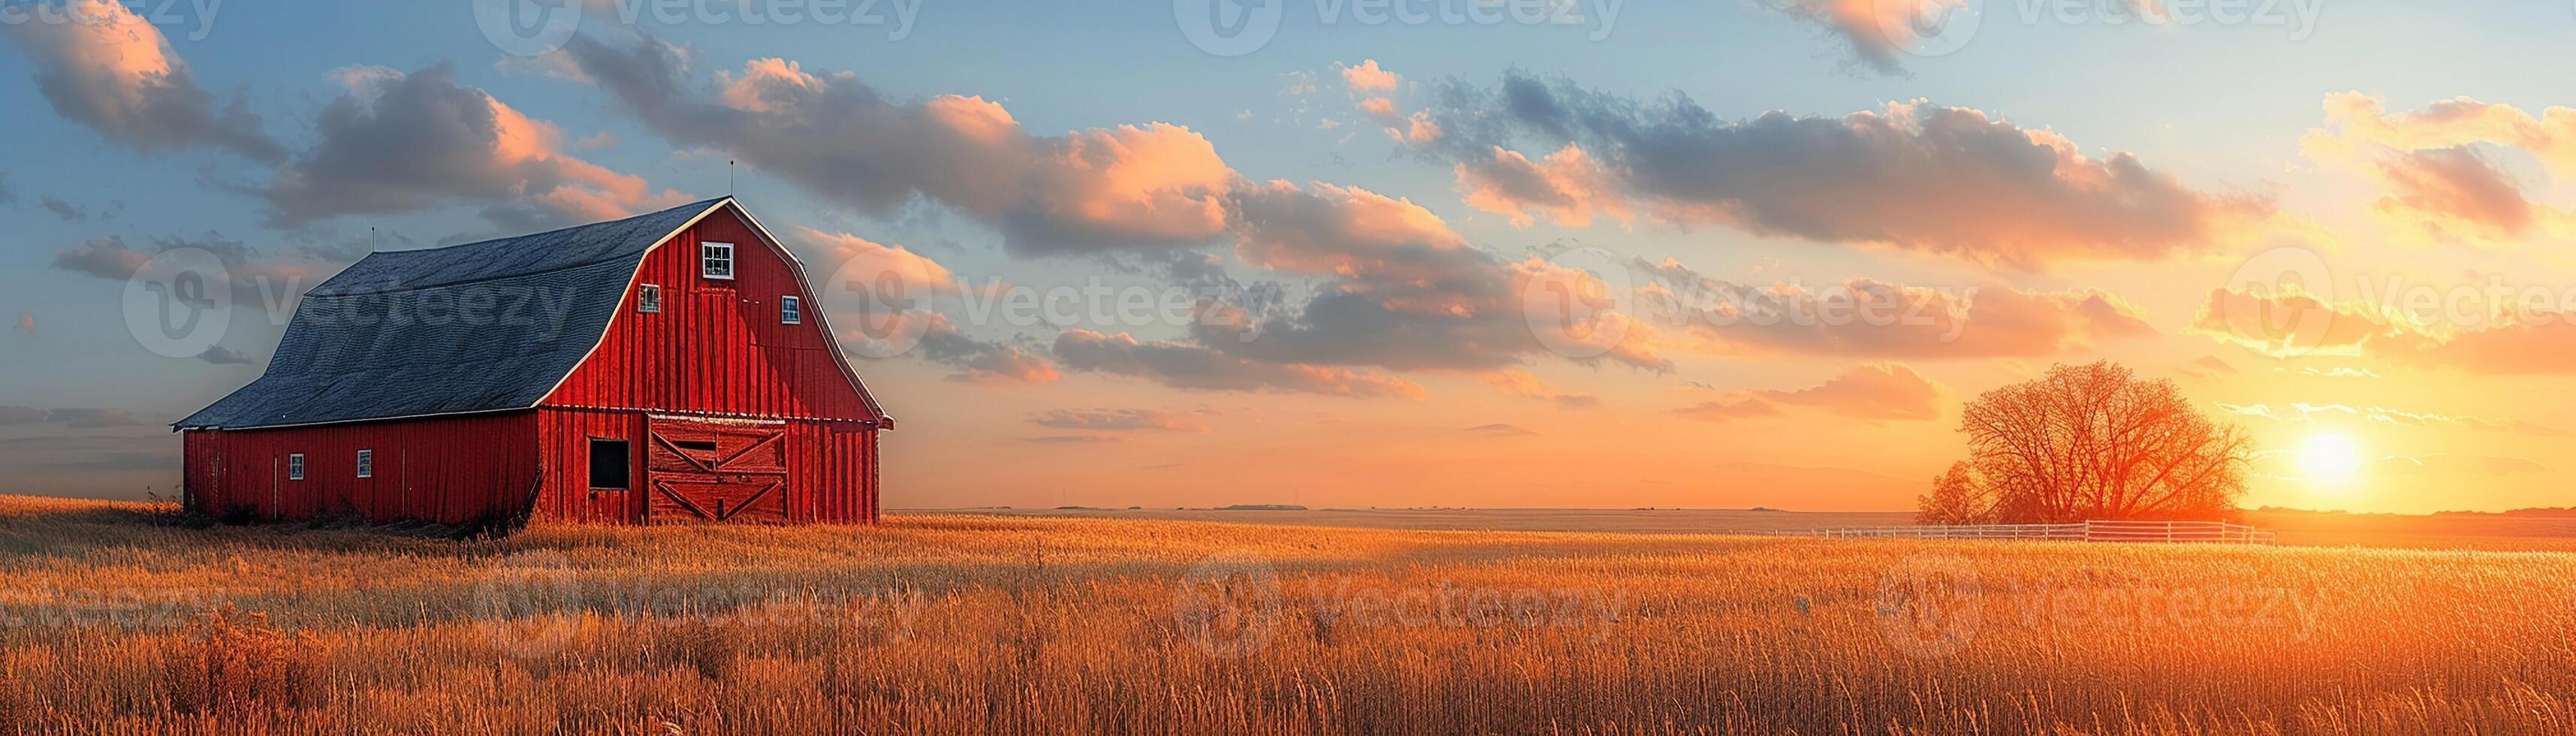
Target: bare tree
2093, 442
1955, 499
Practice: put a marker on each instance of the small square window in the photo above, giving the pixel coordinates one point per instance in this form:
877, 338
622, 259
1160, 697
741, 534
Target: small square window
366, 463
791, 311
648, 298
608, 464
295, 466
715, 260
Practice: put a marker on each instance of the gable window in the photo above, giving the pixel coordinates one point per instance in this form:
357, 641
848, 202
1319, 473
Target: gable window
366, 463
295, 466
715, 260
608, 464
648, 298
791, 311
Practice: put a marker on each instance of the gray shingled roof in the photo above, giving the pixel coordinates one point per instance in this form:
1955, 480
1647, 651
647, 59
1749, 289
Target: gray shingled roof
481, 327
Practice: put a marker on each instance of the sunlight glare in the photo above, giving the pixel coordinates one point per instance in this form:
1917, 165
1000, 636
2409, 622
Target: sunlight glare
2330, 456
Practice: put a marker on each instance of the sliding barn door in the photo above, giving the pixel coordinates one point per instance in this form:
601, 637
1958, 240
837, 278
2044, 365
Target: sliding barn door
712, 471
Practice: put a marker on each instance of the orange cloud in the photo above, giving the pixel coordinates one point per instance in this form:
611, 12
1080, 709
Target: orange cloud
113, 71
2292, 322
1367, 76
1120, 420
1126, 187
911, 271
376, 156
2439, 186
1873, 319
1567, 186
1865, 392
1182, 365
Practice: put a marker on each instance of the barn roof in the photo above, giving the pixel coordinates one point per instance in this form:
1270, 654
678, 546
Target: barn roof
486, 326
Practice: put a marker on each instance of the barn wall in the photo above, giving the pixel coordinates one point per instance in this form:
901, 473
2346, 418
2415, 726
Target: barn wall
444, 469
717, 346
831, 466
566, 495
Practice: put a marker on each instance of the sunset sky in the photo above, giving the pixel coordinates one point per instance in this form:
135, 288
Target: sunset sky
1381, 211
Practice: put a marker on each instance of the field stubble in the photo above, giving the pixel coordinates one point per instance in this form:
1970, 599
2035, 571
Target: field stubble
967, 623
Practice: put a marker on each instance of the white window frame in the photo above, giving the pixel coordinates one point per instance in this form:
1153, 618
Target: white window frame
648, 298
707, 260
791, 310
366, 463
295, 466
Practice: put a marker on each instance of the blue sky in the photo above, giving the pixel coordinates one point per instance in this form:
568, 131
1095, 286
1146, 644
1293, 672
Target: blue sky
2220, 110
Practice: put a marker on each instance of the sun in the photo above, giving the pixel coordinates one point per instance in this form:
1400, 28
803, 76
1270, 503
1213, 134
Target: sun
2330, 456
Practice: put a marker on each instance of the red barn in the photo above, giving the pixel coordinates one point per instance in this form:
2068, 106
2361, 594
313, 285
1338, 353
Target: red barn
671, 367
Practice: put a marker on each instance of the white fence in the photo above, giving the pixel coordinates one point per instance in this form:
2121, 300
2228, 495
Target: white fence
2217, 532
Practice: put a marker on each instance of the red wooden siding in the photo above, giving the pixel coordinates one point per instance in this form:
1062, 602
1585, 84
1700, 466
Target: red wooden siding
566, 436
831, 469
716, 351
717, 347
447, 469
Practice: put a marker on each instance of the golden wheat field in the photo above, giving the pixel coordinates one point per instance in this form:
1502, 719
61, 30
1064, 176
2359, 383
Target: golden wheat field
963, 623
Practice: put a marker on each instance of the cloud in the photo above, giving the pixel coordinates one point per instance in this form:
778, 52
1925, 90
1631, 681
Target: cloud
1870, 319
70, 418
2549, 136
1521, 383
2439, 187
2443, 464
1120, 420
1405, 292
897, 271
1072, 439
66, 211
1916, 177
939, 341
220, 355
1399, 289
1366, 76
112, 259
2306, 412
2293, 322
1875, 392
1131, 186
1183, 365
114, 72
1878, 32
106, 258
1499, 430
397, 142
2207, 366
1568, 187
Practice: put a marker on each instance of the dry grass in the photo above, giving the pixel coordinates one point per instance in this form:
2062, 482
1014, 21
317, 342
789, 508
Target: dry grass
962, 623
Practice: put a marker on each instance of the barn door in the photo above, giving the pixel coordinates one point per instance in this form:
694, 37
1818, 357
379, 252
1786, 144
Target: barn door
701, 471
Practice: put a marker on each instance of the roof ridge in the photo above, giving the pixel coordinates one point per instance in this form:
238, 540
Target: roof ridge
541, 233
